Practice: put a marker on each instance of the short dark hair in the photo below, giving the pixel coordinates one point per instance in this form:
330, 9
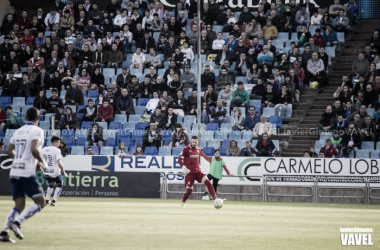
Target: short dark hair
90, 100
55, 139
32, 114
216, 150
194, 137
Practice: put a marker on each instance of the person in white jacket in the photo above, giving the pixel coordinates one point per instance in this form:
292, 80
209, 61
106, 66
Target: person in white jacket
138, 59
217, 44
52, 18
189, 54
153, 103
120, 20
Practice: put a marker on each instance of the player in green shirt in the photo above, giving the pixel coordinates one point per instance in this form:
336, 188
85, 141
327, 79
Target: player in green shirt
216, 170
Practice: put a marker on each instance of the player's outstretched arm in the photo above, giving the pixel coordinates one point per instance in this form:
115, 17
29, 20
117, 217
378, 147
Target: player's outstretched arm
207, 158
181, 161
60, 165
37, 154
226, 169
10, 150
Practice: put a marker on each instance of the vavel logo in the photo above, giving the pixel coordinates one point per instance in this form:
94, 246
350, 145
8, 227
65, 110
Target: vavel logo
356, 236
241, 3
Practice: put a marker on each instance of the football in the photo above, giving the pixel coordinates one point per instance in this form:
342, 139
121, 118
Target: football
218, 203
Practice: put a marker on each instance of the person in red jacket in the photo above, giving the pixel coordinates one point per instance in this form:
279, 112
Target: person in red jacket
3, 117
105, 112
26, 39
24, 20
189, 161
328, 150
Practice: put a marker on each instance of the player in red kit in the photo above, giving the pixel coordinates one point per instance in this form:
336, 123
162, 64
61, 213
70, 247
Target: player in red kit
189, 161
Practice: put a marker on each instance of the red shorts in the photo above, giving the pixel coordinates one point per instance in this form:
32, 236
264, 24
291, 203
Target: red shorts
193, 176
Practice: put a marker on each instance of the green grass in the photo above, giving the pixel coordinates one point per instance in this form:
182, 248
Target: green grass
104, 223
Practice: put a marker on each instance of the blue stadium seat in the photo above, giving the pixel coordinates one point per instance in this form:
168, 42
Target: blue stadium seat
370, 112
150, 151
278, 43
63, 94
108, 72
166, 134
242, 79
9, 133
77, 150
134, 118
142, 101
223, 151
164, 152
213, 143
212, 126
189, 119
368, 145
69, 139
268, 112
255, 103
340, 36
137, 134
138, 141
176, 151
106, 150
18, 101
360, 153
166, 142
207, 135
81, 133
44, 124
226, 143
208, 151
115, 125
179, 119
120, 118
235, 135
92, 94
48, 93
221, 135
276, 120
128, 142
217, 28
241, 144
324, 135
140, 110
30, 100
225, 127
81, 141
128, 126
86, 125
284, 36
141, 125
124, 133
5, 101
374, 154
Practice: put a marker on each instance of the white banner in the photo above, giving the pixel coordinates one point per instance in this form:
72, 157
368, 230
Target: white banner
285, 170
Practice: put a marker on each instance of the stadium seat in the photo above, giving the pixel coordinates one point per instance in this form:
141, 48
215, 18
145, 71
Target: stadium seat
368, 145
103, 125
93, 94
226, 143
5, 101
142, 101
217, 28
44, 124
164, 151
141, 125
128, 126
30, 100
360, 153
324, 135
80, 107
77, 150
137, 134
108, 72
213, 143
225, 128
109, 133
80, 133
48, 93
6, 140
340, 36
140, 110
128, 142
223, 151
242, 79
9, 133
166, 134
208, 151
115, 125
278, 43
276, 120
120, 118
106, 150
124, 133
212, 126
202, 144
63, 94
18, 101
189, 119
134, 118
284, 36
95, 148
235, 135
69, 139
150, 151
277, 143
256, 103
268, 112
180, 118
207, 136
370, 112
166, 142
81, 141
176, 151
374, 154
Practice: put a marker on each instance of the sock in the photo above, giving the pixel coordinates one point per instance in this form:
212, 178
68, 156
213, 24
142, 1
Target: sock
215, 185
49, 191
187, 194
29, 212
13, 214
57, 192
210, 189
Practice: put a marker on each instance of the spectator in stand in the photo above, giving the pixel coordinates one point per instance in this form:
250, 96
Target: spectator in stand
179, 137
302, 17
95, 136
211, 96
124, 78
350, 141
341, 23
238, 119
330, 38
360, 66
374, 41
335, 8
284, 106
326, 121
265, 146
368, 54
315, 18
370, 97
90, 151
90, 111
187, 78
318, 38
105, 112
153, 59
312, 152
36, 61
3, 117
54, 102
225, 95
139, 151
124, 104
40, 102
13, 119
240, 97
265, 57
191, 108
328, 150
115, 58
179, 103
248, 150
219, 113
170, 120
84, 80
74, 95
270, 31
368, 131
71, 120
262, 127
251, 119
354, 7
315, 71
153, 103
233, 149
152, 136
138, 59
158, 118
207, 78
217, 44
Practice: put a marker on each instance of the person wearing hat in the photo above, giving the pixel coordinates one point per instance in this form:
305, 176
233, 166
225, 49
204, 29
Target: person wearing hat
52, 18
67, 20
328, 150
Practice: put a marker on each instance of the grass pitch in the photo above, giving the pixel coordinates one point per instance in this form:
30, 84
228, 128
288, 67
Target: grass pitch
106, 223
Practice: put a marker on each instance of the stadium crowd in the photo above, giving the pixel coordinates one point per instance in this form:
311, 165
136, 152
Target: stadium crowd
123, 80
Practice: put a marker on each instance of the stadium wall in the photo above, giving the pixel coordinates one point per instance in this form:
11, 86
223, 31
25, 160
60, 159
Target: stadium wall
4, 9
